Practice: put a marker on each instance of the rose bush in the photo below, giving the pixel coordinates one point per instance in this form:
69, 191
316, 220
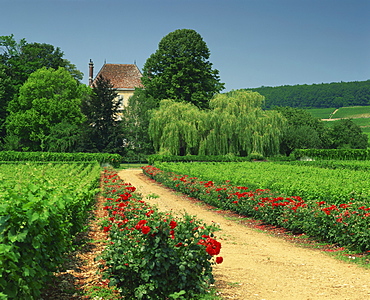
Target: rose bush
345, 224
150, 254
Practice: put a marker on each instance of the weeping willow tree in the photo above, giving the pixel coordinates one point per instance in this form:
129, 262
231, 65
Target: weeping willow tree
237, 124
175, 128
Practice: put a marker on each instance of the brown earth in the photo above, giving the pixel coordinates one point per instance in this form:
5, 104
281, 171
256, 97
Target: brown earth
258, 265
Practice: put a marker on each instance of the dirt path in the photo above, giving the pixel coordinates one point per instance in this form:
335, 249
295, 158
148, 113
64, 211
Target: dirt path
259, 266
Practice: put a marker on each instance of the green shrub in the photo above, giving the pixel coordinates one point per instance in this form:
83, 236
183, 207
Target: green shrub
102, 158
153, 255
334, 154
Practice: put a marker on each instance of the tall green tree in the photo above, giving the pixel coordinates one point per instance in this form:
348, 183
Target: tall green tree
176, 128
48, 97
136, 116
6, 91
65, 137
234, 124
103, 128
237, 124
180, 70
19, 59
347, 134
302, 131
22, 59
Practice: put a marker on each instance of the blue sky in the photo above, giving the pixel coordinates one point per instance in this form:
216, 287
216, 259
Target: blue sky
253, 43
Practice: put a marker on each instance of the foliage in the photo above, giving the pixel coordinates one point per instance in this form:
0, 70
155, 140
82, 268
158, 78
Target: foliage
23, 58
153, 255
102, 111
356, 165
346, 134
345, 224
305, 181
302, 131
198, 158
176, 127
363, 123
6, 92
102, 158
20, 59
135, 119
64, 137
235, 124
324, 95
48, 97
335, 154
180, 70
42, 207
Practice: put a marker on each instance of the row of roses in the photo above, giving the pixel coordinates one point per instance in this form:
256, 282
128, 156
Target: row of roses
151, 254
345, 224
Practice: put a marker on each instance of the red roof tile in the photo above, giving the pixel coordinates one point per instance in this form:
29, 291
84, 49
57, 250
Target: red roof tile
126, 76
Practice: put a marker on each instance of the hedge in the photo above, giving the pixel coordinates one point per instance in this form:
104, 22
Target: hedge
102, 158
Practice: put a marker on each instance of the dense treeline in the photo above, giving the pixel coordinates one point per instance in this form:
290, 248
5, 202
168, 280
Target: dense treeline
336, 94
44, 107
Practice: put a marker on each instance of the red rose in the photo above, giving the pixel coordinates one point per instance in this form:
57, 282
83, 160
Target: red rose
173, 224
145, 229
219, 259
140, 224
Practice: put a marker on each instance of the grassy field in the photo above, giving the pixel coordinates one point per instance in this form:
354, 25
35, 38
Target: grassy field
360, 115
321, 113
353, 112
343, 112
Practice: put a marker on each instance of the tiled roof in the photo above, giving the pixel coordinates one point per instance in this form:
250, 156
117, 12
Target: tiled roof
127, 76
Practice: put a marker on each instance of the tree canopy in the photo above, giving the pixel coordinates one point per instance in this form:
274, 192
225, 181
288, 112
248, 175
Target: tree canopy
235, 124
176, 128
180, 70
48, 97
306, 132
302, 131
346, 134
19, 59
22, 59
102, 112
136, 116
324, 95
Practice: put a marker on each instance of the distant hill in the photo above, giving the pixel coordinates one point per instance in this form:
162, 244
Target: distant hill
324, 95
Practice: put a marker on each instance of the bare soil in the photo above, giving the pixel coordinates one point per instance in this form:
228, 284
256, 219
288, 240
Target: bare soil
258, 265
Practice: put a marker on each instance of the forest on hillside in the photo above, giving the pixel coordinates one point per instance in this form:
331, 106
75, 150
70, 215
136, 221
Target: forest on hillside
336, 94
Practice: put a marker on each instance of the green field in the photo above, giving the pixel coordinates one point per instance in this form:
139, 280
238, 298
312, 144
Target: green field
360, 115
328, 200
306, 181
321, 113
351, 112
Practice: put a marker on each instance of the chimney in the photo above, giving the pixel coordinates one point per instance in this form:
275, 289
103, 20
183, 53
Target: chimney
91, 72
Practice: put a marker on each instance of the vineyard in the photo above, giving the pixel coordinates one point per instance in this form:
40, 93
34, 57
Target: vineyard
329, 201
154, 255
148, 254
42, 208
